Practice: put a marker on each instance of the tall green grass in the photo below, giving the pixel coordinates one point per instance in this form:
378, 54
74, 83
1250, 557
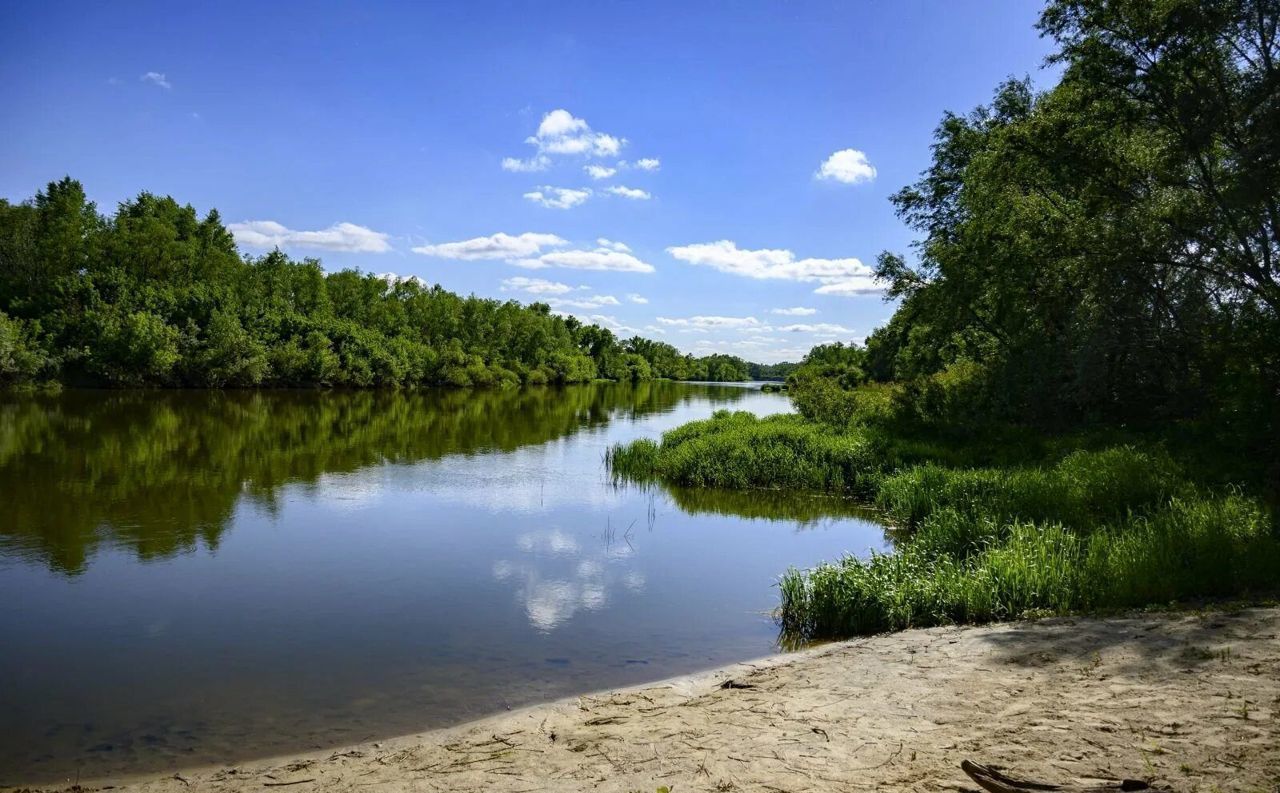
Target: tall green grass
1210, 547
739, 451
1087, 530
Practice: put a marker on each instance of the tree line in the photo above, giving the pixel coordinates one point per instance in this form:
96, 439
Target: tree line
1106, 251
155, 295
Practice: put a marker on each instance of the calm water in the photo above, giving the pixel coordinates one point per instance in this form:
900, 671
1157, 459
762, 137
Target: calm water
203, 577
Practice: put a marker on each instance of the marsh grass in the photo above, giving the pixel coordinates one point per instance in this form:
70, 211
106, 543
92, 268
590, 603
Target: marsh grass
1085, 530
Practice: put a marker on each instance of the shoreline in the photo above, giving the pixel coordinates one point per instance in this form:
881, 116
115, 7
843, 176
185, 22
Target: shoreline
1187, 699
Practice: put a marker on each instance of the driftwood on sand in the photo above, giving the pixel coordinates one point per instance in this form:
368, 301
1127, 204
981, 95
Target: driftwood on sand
990, 779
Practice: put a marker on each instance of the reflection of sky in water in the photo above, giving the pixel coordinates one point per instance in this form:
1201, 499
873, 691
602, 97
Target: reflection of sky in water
437, 589
555, 576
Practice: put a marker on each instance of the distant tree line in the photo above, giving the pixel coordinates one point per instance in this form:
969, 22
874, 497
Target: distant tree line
157, 296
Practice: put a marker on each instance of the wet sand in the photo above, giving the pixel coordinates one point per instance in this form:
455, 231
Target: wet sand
1186, 700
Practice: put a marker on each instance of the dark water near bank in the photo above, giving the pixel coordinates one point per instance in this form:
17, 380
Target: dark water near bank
193, 578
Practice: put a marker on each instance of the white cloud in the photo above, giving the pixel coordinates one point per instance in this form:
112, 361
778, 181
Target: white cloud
861, 285
156, 78
837, 276
713, 323
655, 329
496, 246
820, 327
539, 162
528, 250
638, 299
535, 286
585, 303
598, 259
562, 133
558, 197
628, 192
339, 237
649, 164
797, 311
599, 171
849, 166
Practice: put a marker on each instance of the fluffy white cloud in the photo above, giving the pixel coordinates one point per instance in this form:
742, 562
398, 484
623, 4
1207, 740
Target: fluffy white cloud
649, 164
847, 165
538, 162
558, 197
535, 286
837, 276
562, 133
633, 193
713, 323
820, 327
339, 237
599, 171
638, 299
797, 311
598, 259
156, 78
496, 246
612, 245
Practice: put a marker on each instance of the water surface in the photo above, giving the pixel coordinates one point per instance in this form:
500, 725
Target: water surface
197, 577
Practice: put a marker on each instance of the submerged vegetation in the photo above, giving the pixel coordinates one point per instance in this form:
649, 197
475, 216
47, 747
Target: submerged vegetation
157, 296
1076, 405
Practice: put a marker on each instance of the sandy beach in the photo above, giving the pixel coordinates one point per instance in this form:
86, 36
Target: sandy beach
1185, 700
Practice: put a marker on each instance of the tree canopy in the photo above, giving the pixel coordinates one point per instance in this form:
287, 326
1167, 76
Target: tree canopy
155, 295
1106, 250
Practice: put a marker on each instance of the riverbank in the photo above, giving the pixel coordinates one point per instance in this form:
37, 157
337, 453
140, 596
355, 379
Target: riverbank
1185, 699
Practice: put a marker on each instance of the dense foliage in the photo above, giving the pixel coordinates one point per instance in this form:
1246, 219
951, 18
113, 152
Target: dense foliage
1076, 405
1106, 251
157, 296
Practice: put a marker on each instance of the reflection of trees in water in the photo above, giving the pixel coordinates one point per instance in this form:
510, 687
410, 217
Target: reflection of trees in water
805, 509
160, 472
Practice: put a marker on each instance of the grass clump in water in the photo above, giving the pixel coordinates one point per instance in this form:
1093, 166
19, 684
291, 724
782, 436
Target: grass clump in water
740, 451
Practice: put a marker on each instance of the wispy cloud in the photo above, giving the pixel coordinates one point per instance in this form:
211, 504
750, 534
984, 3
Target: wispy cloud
531, 251
156, 78
797, 311
637, 299
558, 197
535, 286
599, 171
633, 193
598, 259
837, 276
347, 237
849, 166
713, 322
539, 162
587, 303
495, 246
820, 327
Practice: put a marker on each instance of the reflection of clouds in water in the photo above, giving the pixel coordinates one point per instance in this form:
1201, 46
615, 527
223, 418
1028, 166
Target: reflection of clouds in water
550, 599
554, 542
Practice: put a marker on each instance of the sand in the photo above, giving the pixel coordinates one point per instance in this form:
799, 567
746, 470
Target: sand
1187, 700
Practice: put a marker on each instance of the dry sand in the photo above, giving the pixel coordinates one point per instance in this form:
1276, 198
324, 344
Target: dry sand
1186, 700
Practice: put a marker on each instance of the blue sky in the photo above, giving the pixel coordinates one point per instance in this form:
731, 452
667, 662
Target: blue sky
358, 133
